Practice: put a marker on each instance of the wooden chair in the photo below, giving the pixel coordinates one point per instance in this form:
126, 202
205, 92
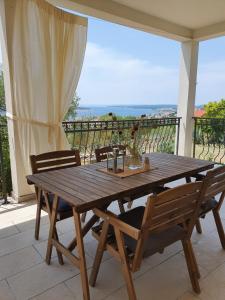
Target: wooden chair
215, 186
143, 231
47, 162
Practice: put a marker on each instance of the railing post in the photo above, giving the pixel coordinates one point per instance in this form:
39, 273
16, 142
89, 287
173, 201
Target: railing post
194, 137
177, 136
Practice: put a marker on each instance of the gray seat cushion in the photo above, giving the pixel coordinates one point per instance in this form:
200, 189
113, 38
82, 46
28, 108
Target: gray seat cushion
156, 241
63, 205
208, 206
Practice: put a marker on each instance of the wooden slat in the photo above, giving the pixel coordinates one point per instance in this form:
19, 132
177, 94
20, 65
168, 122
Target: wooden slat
50, 163
85, 187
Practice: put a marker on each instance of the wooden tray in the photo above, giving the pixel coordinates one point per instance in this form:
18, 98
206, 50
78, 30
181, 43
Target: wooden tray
127, 172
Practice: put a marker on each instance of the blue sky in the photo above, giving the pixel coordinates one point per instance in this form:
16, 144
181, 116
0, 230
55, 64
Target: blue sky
126, 66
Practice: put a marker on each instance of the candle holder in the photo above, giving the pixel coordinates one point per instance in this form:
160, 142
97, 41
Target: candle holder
116, 160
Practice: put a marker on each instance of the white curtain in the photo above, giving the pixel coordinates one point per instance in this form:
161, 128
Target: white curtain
45, 48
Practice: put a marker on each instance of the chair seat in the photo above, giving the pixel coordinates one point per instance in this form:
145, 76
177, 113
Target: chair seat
63, 205
208, 206
156, 241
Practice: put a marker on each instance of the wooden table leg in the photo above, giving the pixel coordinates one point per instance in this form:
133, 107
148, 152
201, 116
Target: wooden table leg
80, 248
52, 229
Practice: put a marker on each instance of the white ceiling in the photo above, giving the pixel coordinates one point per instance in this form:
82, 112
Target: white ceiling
177, 19
192, 14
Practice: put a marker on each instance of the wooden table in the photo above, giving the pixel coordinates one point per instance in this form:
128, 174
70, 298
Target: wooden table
85, 188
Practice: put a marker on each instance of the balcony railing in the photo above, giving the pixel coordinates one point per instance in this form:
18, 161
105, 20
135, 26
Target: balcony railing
209, 139
158, 135
5, 172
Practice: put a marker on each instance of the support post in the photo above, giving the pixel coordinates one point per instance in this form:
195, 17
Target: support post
187, 90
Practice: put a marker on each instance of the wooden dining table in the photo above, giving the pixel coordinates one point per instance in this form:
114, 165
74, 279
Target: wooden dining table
86, 187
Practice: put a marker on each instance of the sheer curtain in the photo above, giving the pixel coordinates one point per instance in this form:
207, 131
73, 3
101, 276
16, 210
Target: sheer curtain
44, 54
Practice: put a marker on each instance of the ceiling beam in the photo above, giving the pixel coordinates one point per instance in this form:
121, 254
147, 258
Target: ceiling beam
209, 32
124, 15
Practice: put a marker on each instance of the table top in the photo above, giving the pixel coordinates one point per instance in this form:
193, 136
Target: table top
85, 187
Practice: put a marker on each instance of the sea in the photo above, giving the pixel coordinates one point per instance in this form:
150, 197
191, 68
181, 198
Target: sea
124, 110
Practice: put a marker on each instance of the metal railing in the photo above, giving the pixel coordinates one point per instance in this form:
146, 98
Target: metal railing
209, 139
157, 135
5, 171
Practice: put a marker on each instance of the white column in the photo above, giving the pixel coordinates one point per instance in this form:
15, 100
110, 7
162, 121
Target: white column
21, 190
187, 89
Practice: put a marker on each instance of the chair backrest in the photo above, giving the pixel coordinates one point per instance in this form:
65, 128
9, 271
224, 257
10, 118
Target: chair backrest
101, 153
215, 183
55, 160
177, 206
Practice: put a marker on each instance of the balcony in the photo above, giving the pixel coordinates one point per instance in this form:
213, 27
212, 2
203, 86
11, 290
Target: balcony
39, 43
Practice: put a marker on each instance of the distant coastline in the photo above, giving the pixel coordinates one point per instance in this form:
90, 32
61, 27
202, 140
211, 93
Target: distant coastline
127, 110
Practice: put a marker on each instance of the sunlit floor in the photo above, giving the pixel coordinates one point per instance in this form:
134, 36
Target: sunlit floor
24, 274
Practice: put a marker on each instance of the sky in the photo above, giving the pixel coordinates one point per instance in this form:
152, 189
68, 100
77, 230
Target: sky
126, 66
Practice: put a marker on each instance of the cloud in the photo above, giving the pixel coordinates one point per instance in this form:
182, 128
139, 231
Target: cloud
210, 82
110, 77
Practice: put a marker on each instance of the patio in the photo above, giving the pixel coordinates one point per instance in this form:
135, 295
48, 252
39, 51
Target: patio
34, 126
25, 275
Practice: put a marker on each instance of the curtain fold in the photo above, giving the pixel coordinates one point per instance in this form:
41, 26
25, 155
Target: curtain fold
45, 52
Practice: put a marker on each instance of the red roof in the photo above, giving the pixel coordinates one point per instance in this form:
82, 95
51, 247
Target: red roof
199, 112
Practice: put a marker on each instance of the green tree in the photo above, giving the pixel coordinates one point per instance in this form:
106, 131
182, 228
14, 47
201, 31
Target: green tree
213, 132
215, 109
72, 112
2, 91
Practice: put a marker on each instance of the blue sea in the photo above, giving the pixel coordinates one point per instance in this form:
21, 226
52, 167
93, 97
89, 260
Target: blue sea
124, 110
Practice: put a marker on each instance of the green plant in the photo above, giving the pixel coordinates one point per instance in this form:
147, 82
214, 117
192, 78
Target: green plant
72, 111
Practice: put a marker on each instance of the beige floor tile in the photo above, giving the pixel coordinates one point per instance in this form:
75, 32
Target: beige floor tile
109, 280
208, 251
188, 296
167, 281
29, 222
91, 247
42, 246
158, 258
21, 240
39, 278
18, 261
64, 239
59, 292
7, 229
5, 291
213, 286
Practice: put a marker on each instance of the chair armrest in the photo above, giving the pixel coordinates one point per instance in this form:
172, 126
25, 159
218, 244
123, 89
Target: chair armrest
115, 222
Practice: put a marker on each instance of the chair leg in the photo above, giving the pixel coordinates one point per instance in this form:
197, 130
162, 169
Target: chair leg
121, 207
194, 260
83, 217
198, 226
192, 266
99, 254
38, 220
125, 265
219, 226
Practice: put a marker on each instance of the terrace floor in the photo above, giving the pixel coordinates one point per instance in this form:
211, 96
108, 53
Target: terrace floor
24, 274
